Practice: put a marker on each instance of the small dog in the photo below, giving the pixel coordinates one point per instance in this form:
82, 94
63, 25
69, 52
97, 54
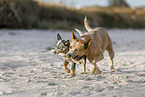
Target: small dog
92, 44
62, 47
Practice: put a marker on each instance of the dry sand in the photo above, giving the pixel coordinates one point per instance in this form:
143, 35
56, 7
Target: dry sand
28, 69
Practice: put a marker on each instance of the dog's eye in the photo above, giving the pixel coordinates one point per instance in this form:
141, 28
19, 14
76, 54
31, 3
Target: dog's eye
76, 50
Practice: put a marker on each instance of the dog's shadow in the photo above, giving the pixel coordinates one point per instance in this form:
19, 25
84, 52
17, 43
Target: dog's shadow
121, 71
105, 73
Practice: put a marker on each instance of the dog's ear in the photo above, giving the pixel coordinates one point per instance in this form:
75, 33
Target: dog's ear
66, 42
73, 36
59, 37
86, 44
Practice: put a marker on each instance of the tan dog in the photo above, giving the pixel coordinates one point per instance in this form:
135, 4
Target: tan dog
92, 44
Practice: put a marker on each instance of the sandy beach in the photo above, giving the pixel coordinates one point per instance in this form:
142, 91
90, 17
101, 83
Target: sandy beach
29, 69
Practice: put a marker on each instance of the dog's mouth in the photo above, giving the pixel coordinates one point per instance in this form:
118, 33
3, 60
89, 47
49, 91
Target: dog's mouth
78, 58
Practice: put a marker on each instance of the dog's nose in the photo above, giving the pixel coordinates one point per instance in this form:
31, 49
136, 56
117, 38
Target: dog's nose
69, 55
54, 52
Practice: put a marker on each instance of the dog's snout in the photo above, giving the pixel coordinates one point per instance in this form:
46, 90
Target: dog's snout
68, 55
55, 52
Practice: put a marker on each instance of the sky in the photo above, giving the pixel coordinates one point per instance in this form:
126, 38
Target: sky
82, 3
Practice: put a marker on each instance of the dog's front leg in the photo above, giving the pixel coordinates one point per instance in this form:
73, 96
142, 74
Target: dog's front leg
65, 66
93, 61
73, 66
84, 64
94, 68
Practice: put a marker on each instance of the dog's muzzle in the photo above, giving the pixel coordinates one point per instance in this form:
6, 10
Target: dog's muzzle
75, 57
68, 55
55, 51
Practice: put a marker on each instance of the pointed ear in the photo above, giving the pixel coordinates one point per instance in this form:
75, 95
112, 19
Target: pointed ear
66, 42
87, 43
73, 36
59, 37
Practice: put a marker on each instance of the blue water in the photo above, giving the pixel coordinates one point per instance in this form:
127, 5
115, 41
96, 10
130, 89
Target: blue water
82, 3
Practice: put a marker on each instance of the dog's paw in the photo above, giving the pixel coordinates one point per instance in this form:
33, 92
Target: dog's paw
112, 70
72, 75
98, 72
67, 70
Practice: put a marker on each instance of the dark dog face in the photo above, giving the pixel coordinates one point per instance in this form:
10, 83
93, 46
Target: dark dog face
61, 46
77, 48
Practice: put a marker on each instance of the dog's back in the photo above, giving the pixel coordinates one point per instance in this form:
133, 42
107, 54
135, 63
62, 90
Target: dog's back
99, 38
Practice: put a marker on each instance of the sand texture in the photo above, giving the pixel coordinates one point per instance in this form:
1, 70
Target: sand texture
29, 69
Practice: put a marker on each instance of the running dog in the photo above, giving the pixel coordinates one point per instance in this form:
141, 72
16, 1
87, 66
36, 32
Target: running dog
62, 47
92, 44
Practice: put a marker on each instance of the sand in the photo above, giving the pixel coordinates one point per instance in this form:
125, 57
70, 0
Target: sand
29, 69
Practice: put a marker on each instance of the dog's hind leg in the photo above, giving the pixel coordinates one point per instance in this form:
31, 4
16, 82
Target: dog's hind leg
111, 54
65, 66
73, 67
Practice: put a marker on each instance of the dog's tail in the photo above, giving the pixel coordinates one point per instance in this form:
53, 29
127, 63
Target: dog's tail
80, 32
87, 25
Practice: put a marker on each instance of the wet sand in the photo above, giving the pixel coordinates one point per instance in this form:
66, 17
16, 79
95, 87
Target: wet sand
28, 68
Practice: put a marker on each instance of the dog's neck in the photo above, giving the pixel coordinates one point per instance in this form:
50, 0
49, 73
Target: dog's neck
67, 48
